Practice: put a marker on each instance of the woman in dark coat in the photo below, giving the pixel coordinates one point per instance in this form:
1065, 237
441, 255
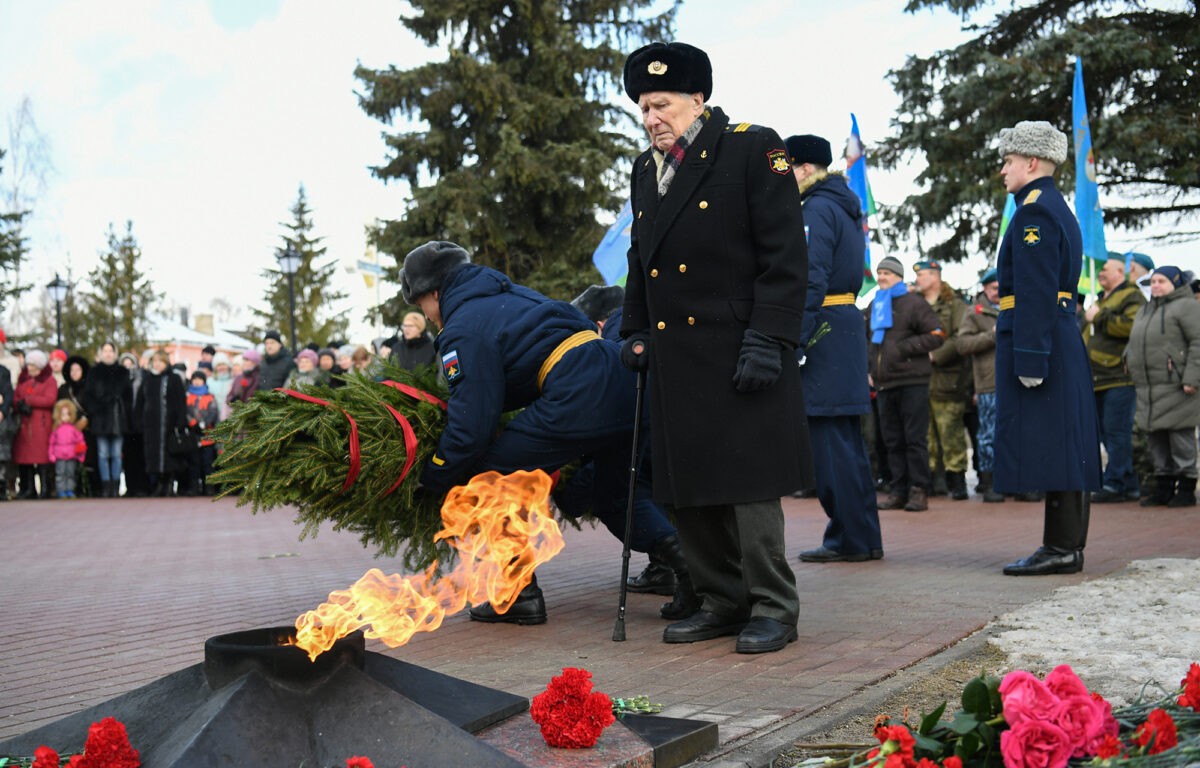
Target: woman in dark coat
415, 350
8, 426
34, 399
105, 397
76, 372
163, 406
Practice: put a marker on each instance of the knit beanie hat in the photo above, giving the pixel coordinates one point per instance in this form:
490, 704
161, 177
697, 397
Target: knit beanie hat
1174, 274
307, 354
891, 264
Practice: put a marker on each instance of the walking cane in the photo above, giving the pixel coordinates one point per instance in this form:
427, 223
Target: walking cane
619, 628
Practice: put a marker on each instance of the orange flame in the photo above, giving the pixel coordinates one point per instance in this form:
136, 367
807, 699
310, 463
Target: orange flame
501, 527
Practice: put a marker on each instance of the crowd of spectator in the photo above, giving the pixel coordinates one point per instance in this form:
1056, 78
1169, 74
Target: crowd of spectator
932, 364
112, 423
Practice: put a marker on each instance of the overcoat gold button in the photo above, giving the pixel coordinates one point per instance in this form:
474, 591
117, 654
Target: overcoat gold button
654, 273
703, 204
661, 325
683, 267
691, 321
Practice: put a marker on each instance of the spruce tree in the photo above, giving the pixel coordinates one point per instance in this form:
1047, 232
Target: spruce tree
12, 250
518, 144
1142, 93
117, 302
315, 322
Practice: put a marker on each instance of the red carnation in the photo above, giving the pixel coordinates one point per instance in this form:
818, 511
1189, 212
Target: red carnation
896, 746
569, 713
1191, 688
359, 762
1158, 732
954, 761
44, 757
1110, 746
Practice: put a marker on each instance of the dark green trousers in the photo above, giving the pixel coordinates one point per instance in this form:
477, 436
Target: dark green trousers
737, 558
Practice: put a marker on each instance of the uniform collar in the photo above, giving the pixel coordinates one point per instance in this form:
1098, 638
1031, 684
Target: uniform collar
1042, 183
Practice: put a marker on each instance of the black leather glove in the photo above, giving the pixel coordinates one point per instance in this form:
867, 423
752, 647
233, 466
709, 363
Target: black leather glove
759, 363
24, 408
635, 352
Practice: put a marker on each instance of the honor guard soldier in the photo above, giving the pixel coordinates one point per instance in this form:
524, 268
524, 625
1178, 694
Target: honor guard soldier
833, 346
1046, 437
504, 347
715, 293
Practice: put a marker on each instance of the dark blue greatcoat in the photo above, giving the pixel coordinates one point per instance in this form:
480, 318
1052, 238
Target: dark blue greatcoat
721, 252
834, 343
1046, 437
833, 338
495, 338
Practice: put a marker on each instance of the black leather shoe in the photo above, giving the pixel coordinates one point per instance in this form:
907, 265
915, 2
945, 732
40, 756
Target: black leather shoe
1046, 561
656, 579
1030, 496
529, 608
876, 554
702, 625
1105, 496
893, 501
826, 555
763, 635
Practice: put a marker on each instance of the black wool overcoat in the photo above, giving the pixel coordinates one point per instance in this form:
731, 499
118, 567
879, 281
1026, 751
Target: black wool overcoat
722, 251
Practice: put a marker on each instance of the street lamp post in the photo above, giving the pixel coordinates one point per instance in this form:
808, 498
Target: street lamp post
57, 289
289, 264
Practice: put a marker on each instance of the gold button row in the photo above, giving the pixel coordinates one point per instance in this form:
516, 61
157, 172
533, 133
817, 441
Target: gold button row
662, 325
682, 268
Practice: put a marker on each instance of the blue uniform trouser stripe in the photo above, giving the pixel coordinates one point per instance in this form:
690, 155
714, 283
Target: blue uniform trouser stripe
844, 484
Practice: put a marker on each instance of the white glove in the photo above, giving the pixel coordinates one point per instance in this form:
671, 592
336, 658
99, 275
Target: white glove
1030, 381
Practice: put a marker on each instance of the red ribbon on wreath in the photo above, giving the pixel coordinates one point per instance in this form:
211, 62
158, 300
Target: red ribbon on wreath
355, 450
418, 394
410, 435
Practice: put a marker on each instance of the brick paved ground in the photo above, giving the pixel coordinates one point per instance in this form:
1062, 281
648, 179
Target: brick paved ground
101, 596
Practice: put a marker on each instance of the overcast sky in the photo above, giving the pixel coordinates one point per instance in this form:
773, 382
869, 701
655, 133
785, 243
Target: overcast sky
199, 119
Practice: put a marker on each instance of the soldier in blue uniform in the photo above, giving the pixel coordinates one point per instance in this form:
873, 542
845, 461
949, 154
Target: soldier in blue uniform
833, 348
504, 347
1046, 436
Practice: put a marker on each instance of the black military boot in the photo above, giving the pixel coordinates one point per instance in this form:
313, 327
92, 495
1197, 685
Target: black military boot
669, 551
957, 483
990, 496
1185, 494
657, 578
529, 608
1164, 490
1063, 538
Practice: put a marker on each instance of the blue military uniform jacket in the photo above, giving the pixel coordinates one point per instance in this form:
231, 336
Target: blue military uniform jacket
1046, 436
832, 338
494, 345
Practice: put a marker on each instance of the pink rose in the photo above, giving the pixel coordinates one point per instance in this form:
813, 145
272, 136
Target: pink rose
1063, 682
1024, 697
1035, 744
1082, 717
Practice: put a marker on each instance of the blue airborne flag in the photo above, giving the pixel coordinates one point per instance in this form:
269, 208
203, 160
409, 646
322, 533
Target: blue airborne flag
1087, 197
856, 177
611, 257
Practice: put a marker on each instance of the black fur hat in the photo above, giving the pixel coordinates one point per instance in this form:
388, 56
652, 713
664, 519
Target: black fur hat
599, 301
808, 149
426, 266
668, 67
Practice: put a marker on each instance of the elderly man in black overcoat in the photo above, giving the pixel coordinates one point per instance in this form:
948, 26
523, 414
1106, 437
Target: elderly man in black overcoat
715, 295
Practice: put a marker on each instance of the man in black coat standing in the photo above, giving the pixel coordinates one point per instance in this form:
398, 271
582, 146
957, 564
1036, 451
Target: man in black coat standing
714, 300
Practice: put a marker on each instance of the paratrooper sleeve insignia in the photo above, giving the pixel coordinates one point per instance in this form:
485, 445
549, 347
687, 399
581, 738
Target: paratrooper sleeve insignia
1032, 235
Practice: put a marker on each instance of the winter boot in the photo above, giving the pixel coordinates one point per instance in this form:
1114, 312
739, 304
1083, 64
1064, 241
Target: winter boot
46, 473
941, 485
1185, 495
657, 578
957, 483
685, 602
918, 500
26, 488
1164, 490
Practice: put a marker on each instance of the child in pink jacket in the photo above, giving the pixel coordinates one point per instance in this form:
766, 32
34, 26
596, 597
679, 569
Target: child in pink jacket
68, 449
